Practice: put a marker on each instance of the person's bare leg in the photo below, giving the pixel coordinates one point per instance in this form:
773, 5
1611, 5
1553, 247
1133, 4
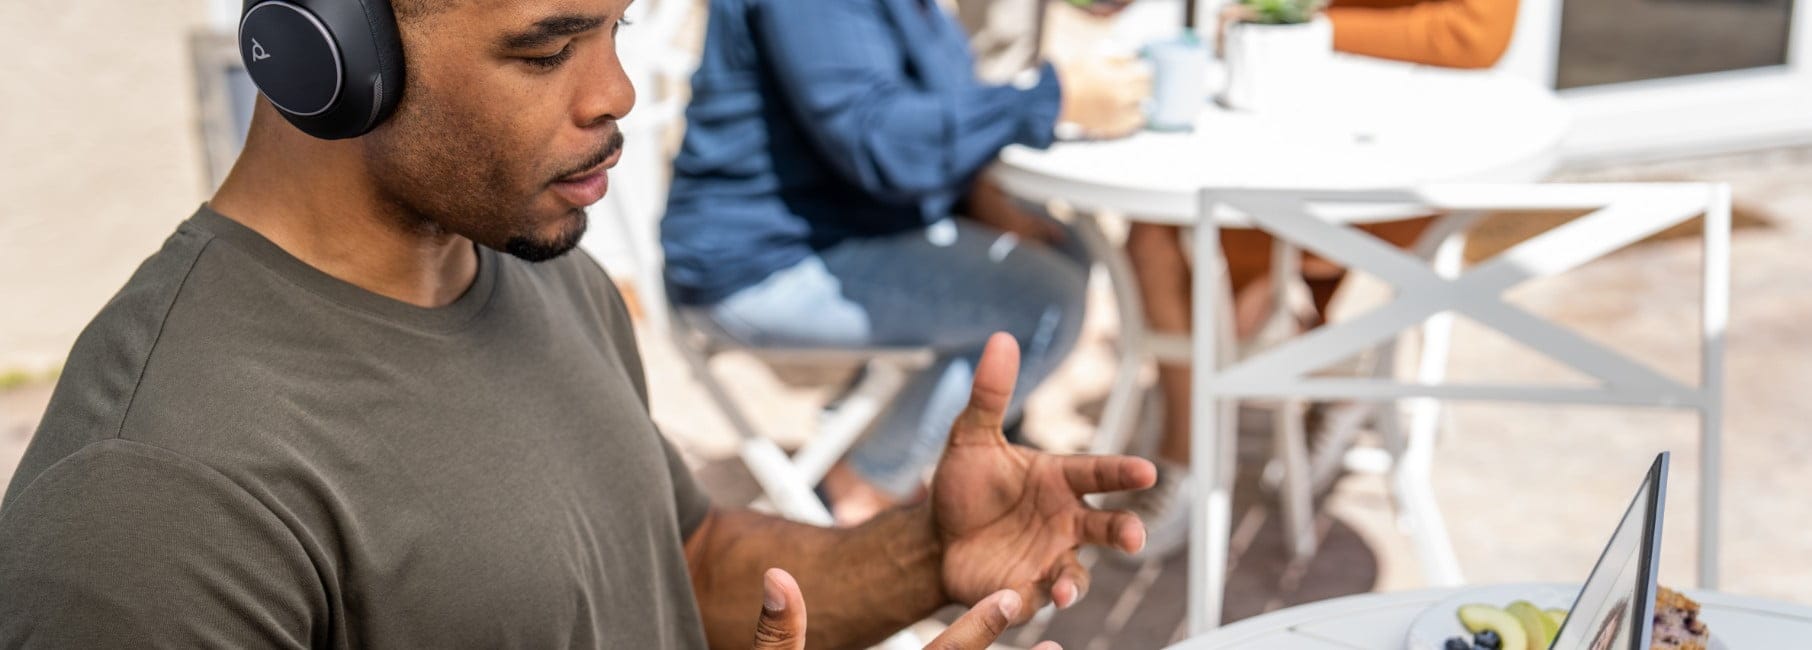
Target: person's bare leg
1157, 258
852, 499
1165, 288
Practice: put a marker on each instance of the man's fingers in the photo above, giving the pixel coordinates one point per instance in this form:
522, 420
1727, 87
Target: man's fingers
982, 624
1091, 474
1072, 582
1121, 530
782, 622
995, 375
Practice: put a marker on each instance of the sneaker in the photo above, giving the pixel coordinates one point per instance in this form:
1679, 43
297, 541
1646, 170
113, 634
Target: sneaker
1164, 509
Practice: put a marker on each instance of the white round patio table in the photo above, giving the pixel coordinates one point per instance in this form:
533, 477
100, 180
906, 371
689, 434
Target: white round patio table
1380, 126
1381, 621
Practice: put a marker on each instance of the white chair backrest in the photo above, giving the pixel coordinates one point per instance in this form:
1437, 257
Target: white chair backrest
625, 231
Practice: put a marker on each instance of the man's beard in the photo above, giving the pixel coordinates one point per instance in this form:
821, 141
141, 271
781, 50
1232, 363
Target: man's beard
431, 175
537, 250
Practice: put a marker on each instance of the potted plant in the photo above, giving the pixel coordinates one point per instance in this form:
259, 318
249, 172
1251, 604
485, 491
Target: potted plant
1276, 52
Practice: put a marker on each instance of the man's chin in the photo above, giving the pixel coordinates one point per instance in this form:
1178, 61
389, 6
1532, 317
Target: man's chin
541, 248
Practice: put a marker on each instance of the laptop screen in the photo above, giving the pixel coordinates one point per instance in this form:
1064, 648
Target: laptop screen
1615, 609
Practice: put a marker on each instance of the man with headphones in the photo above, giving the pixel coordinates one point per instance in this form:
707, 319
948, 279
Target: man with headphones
341, 407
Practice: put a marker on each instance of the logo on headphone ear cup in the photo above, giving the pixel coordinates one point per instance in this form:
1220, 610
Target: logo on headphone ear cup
308, 79
336, 55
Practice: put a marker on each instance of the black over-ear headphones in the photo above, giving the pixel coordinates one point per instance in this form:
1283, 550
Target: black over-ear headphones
333, 68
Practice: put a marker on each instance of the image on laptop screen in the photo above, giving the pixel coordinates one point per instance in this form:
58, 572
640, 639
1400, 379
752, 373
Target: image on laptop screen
1615, 608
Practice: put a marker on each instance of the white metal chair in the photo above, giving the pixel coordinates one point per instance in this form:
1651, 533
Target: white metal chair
659, 67
1621, 214
634, 206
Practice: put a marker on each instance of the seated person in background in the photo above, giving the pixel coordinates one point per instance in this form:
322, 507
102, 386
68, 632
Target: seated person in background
1446, 33
1449, 33
828, 144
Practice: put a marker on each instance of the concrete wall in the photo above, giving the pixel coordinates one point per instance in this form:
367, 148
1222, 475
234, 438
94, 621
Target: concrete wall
99, 158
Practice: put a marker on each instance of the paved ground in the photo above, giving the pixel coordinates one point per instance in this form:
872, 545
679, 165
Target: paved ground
1530, 493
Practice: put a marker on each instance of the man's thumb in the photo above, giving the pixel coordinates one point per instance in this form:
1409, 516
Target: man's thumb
782, 622
982, 625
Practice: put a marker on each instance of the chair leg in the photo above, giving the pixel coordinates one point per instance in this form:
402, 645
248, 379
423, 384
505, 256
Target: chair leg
1291, 298
839, 428
773, 470
1297, 495
1344, 422
780, 480
1421, 514
1119, 415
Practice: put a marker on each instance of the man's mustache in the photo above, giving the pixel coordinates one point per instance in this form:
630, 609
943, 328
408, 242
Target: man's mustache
612, 145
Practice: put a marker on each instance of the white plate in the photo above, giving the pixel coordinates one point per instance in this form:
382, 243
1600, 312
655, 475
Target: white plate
1441, 622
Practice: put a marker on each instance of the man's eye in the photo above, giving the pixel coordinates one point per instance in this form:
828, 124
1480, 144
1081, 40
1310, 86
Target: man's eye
620, 24
553, 61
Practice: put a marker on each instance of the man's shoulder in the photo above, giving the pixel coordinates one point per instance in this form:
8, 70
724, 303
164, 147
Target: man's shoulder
107, 367
108, 358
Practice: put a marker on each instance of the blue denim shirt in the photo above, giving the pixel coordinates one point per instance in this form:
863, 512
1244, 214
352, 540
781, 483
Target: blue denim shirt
813, 121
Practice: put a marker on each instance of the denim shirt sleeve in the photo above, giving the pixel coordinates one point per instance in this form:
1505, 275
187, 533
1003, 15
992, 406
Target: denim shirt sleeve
838, 64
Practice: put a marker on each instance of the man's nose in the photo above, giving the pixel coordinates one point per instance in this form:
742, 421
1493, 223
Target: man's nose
606, 95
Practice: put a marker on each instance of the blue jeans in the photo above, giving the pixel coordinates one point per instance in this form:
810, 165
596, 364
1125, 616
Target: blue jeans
947, 287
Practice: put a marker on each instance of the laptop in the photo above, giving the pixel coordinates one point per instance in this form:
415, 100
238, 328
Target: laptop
1615, 609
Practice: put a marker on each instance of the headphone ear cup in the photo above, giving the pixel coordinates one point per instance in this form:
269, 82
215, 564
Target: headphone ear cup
333, 68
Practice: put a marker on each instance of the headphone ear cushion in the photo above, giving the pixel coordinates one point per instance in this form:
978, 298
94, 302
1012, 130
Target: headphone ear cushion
333, 68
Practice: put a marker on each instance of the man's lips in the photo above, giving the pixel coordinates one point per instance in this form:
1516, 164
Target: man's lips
587, 187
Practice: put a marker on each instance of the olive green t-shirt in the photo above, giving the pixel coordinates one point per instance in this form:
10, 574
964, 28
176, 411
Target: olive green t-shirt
246, 452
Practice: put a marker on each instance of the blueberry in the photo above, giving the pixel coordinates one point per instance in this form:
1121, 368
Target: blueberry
1457, 643
1489, 639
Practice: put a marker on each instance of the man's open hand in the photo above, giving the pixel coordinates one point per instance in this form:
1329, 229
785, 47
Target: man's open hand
782, 622
1011, 517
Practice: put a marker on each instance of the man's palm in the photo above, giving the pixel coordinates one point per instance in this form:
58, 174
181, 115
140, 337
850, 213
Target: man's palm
1011, 517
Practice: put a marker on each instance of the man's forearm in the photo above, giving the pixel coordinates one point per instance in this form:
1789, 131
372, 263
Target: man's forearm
860, 584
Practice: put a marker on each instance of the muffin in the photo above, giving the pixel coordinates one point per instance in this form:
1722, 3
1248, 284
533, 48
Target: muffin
1677, 624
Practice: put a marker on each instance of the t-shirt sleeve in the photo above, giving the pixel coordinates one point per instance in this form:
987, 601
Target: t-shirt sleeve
689, 499
123, 544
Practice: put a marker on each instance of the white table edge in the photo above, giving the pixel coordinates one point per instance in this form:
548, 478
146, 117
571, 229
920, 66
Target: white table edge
1270, 623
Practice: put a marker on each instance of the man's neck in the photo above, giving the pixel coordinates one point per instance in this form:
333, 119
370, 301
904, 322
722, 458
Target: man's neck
321, 208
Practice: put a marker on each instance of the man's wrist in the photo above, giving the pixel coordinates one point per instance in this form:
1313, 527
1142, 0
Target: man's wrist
917, 549
1043, 102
